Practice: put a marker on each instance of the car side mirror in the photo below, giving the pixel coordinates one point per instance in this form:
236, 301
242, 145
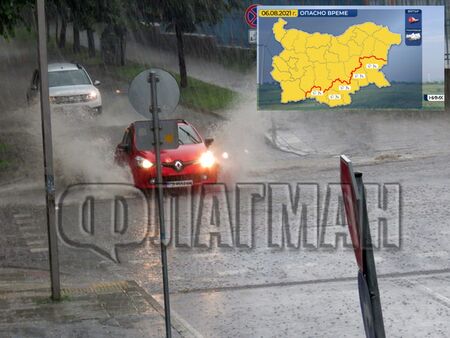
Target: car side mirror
208, 142
124, 147
97, 83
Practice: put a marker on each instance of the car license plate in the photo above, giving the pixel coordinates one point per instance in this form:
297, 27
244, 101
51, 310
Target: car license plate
178, 184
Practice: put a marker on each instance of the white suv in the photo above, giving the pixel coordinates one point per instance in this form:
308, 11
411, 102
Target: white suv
69, 86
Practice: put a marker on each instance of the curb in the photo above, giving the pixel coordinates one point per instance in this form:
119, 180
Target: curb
178, 324
284, 142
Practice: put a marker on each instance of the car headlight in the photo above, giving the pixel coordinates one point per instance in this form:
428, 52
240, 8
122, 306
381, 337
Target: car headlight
143, 162
92, 95
207, 159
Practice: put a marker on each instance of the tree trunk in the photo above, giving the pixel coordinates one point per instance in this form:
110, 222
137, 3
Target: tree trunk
91, 42
181, 58
110, 46
47, 22
56, 28
122, 49
76, 38
62, 34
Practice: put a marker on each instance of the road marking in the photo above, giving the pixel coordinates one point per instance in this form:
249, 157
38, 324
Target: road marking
28, 235
26, 227
33, 250
233, 272
34, 238
21, 221
21, 216
433, 254
32, 234
391, 275
434, 294
39, 242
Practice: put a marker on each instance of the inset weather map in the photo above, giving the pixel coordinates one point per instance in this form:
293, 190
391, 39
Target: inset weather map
360, 57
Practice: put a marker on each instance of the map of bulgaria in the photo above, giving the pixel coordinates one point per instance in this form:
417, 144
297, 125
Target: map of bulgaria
330, 68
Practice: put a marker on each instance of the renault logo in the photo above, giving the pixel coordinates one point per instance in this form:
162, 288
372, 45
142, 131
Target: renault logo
178, 165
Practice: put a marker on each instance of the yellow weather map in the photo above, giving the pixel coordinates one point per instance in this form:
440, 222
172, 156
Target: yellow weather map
330, 68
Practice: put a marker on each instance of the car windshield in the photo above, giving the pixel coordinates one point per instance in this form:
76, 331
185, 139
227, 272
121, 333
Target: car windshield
144, 137
68, 78
187, 135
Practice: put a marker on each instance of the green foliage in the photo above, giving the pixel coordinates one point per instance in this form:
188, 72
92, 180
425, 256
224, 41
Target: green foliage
4, 163
3, 147
113, 11
11, 14
84, 12
25, 34
186, 14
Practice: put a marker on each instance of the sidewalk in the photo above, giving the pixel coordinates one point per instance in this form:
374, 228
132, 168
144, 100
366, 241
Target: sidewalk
114, 309
363, 133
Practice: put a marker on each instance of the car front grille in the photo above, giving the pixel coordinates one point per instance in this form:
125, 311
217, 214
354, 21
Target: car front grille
69, 99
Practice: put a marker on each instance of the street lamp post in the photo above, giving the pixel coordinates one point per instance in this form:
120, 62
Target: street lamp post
48, 152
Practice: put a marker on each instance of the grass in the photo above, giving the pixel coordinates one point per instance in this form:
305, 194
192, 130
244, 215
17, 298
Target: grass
199, 95
397, 96
4, 163
242, 62
205, 96
128, 72
49, 300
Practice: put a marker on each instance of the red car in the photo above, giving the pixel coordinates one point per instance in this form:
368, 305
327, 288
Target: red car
192, 163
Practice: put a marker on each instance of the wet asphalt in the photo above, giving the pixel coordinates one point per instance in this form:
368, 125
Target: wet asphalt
242, 284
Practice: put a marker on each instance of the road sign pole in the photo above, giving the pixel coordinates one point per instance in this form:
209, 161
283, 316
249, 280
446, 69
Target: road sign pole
153, 79
48, 152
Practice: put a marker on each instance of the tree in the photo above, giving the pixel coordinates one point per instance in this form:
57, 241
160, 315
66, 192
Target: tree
11, 14
61, 10
114, 14
184, 16
76, 16
85, 13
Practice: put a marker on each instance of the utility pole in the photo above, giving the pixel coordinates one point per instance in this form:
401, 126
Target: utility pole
154, 109
48, 152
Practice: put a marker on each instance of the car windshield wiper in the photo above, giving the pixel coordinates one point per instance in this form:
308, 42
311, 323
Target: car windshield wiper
190, 136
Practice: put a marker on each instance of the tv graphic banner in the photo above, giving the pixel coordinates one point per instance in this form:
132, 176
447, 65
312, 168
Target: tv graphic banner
375, 57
